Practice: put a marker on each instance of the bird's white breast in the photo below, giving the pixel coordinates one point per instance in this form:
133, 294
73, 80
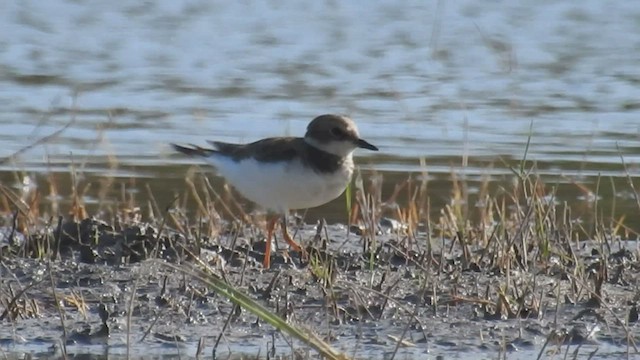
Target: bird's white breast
283, 185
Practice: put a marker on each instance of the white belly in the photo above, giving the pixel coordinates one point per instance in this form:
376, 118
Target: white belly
283, 186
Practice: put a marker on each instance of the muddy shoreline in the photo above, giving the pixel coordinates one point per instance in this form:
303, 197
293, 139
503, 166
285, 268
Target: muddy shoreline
439, 298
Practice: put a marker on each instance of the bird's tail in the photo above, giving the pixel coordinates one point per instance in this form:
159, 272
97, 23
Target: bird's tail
193, 150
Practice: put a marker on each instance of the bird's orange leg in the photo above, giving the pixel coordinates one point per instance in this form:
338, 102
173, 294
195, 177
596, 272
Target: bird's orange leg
285, 234
271, 225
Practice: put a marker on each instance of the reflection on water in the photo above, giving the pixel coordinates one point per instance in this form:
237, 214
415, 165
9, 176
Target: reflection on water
609, 198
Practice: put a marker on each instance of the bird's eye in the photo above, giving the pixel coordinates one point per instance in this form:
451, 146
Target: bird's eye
337, 132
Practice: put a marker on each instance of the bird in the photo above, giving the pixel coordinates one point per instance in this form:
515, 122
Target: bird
288, 173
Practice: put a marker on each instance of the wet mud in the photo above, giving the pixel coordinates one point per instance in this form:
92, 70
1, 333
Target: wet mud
91, 287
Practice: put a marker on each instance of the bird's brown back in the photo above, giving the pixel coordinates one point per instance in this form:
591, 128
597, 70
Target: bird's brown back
281, 149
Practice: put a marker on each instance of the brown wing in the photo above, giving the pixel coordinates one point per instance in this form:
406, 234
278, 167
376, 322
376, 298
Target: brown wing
268, 150
193, 150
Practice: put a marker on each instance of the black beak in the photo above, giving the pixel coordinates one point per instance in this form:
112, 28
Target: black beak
365, 145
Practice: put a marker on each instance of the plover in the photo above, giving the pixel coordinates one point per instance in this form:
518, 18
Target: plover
289, 173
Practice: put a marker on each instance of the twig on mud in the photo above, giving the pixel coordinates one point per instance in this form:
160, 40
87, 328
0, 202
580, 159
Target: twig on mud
400, 341
630, 338
163, 224
235, 308
146, 333
129, 315
15, 299
351, 286
60, 312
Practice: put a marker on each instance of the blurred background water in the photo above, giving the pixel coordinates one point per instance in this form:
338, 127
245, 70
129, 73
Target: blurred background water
423, 79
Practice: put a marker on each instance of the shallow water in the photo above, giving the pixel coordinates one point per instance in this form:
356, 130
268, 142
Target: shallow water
462, 84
